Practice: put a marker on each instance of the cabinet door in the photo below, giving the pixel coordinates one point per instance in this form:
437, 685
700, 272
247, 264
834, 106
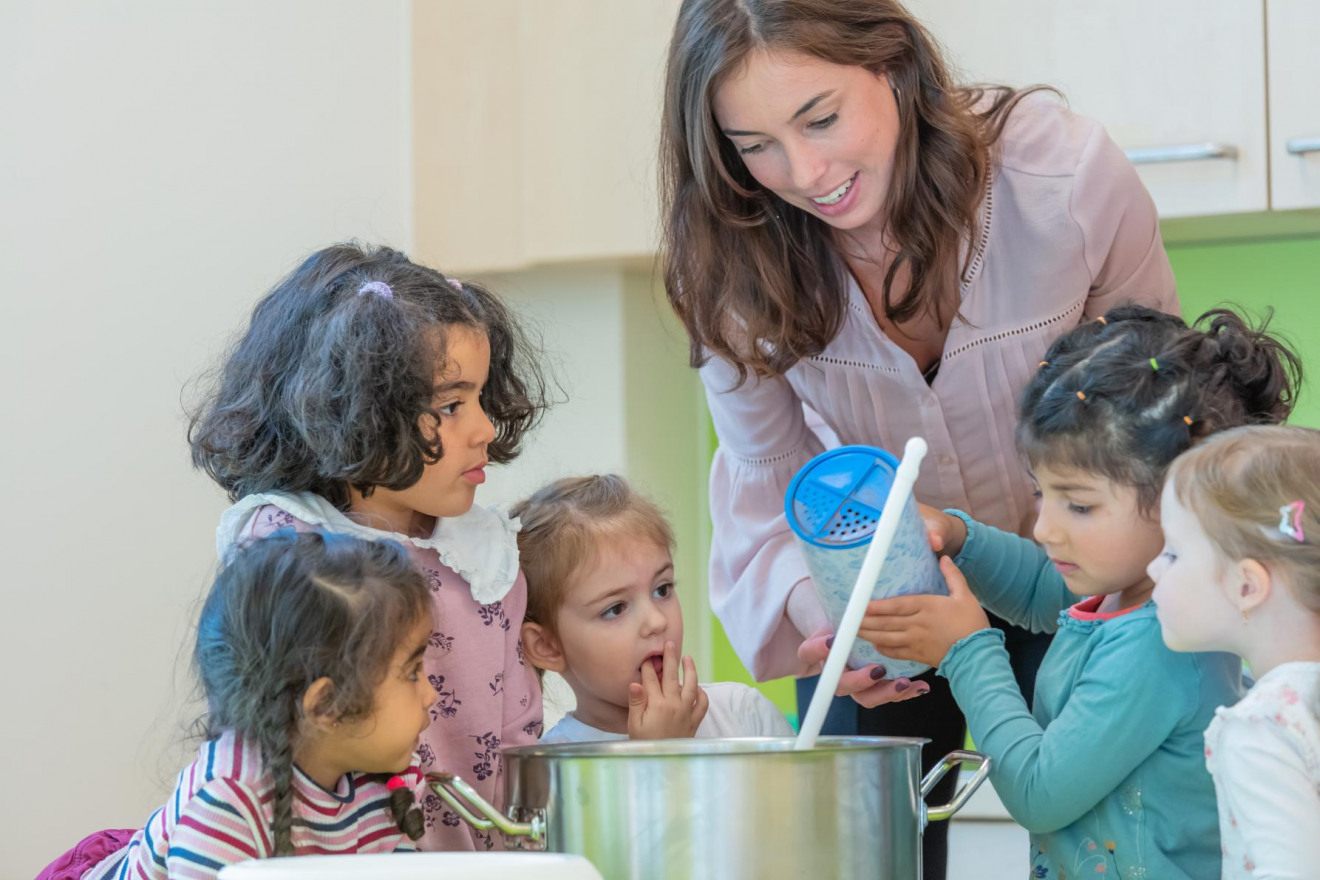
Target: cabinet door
1293, 27
592, 78
1167, 78
536, 128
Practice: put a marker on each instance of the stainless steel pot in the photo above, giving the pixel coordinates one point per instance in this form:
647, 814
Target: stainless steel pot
690, 809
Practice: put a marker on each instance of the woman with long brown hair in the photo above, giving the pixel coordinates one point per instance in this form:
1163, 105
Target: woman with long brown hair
863, 250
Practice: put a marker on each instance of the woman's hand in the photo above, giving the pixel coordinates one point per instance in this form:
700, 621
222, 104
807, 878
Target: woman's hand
946, 532
867, 685
924, 628
661, 708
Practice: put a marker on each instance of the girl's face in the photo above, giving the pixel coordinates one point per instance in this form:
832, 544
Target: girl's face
820, 136
384, 742
447, 487
1095, 533
1191, 587
618, 615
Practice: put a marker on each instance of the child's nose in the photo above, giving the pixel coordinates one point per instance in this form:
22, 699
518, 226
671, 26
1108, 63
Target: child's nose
485, 430
1155, 568
1044, 530
654, 621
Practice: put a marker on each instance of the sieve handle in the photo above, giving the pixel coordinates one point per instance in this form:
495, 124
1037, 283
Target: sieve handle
881, 541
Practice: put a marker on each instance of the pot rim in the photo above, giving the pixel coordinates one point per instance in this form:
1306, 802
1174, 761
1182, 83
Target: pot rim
713, 747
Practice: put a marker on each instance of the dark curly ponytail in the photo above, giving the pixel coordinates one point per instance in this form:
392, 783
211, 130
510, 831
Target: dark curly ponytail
1124, 395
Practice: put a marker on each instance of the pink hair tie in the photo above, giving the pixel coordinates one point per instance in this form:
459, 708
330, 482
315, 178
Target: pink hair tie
455, 283
380, 288
395, 782
1290, 521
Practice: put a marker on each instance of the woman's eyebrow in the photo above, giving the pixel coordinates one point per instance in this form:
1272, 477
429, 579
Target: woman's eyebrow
803, 109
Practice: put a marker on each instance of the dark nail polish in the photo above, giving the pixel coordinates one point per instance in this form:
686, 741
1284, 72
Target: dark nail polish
923, 688
901, 685
829, 643
878, 673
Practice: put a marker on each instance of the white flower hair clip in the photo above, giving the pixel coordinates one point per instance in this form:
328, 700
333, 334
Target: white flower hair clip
1290, 520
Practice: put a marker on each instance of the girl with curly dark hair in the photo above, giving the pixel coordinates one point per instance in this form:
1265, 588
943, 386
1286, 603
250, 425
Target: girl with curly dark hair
367, 397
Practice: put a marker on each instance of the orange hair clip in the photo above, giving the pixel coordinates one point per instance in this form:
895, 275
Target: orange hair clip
1102, 320
1081, 396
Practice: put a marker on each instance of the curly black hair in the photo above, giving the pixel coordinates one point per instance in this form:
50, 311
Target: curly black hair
1124, 395
329, 386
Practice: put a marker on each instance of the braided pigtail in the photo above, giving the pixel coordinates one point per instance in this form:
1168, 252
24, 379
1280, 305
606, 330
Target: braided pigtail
403, 807
278, 754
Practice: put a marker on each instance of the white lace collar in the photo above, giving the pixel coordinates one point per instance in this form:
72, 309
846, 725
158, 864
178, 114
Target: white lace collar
481, 545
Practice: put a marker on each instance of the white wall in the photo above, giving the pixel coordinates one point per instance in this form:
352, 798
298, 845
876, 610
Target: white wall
162, 163
629, 404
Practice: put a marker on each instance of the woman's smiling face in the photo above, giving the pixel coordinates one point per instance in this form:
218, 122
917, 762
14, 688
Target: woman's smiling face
820, 136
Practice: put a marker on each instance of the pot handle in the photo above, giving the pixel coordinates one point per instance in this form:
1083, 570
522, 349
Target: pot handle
952, 760
451, 788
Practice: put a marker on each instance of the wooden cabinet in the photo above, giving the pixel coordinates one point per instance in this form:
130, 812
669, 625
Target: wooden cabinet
536, 124
1166, 78
535, 130
1212, 101
1293, 27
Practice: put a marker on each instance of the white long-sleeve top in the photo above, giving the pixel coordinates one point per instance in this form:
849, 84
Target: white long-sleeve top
1264, 755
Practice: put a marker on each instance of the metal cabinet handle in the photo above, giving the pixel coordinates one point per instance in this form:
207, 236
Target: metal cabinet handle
1299, 146
951, 760
451, 787
1181, 153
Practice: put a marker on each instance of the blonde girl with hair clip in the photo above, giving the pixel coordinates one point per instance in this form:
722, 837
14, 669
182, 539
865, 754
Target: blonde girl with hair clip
1240, 572
603, 612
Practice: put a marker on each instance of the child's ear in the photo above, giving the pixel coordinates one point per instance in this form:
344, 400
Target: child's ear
541, 648
1256, 586
315, 702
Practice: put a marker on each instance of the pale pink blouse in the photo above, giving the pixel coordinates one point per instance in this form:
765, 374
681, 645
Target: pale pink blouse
1068, 232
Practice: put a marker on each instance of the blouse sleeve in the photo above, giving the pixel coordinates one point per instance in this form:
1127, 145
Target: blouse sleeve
1120, 229
755, 564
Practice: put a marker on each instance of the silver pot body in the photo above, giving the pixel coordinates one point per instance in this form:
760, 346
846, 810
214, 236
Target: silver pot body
691, 809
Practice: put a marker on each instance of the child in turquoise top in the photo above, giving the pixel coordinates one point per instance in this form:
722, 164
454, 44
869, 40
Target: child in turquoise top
1105, 769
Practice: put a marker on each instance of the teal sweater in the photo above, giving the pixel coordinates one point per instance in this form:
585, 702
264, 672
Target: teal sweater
1107, 770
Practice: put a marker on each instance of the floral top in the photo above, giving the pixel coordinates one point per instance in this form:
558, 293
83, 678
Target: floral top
1264, 755
488, 696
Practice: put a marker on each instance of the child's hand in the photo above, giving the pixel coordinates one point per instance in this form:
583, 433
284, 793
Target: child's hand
946, 532
661, 708
868, 685
924, 628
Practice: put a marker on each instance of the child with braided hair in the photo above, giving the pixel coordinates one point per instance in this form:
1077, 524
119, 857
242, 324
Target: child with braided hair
1105, 768
309, 650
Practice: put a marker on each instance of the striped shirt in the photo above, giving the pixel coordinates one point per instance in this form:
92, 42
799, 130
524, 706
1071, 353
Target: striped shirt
223, 807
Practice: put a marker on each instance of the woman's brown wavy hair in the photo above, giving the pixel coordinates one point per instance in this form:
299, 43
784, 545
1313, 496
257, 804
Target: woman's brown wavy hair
761, 283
